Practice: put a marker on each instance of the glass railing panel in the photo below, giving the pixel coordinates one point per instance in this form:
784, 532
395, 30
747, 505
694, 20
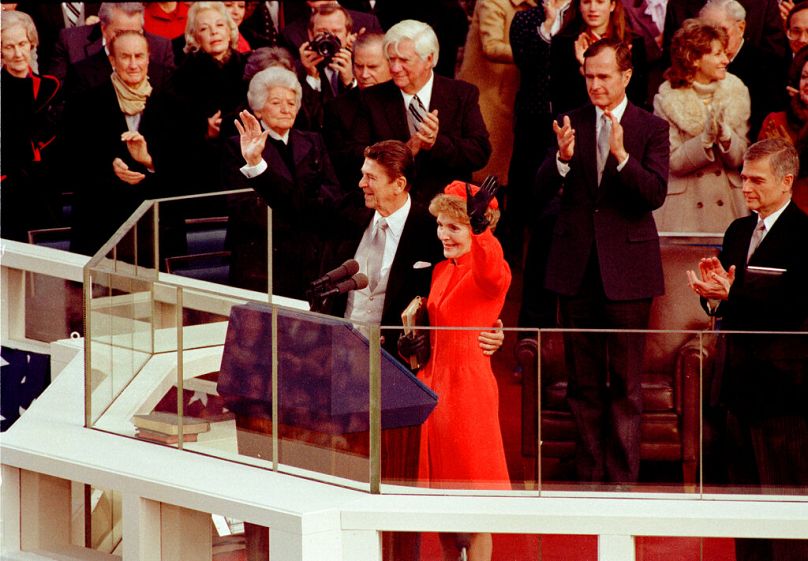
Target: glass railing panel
53, 308
120, 324
221, 238
755, 433
444, 429
619, 411
322, 417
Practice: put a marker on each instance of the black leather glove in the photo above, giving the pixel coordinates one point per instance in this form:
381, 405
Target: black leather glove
414, 344
478, 204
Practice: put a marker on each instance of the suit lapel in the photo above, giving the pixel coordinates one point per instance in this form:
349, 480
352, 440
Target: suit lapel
395, 113
276, 162
586, 143
776, 241
402, 259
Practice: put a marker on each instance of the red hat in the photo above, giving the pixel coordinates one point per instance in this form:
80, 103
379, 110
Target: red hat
458, 189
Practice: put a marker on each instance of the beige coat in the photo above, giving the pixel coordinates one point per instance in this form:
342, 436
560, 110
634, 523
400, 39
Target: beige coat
488, 64
704, 186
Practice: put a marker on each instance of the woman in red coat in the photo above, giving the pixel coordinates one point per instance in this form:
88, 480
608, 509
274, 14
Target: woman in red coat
461, 442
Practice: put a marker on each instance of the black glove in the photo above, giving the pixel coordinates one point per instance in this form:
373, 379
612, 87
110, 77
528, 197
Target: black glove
478, 204
414, 344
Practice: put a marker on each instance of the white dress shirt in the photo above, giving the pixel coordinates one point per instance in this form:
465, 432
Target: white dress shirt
364, 305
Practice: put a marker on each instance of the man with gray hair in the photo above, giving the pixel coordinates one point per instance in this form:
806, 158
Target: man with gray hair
438, 118
757, 284
81, 53
764, 76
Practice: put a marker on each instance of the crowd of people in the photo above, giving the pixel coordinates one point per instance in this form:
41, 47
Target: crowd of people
591, 125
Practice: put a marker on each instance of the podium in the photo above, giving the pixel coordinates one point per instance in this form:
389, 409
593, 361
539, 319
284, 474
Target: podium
323, 374
323, 403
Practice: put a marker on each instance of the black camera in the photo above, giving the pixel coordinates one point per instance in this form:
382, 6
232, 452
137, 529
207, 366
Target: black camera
326, 45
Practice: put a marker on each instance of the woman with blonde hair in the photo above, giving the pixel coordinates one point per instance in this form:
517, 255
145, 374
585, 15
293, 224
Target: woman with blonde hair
708, 110
461, 443
206, 89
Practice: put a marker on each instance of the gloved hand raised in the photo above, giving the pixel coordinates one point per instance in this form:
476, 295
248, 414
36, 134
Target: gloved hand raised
414, 344
477, 205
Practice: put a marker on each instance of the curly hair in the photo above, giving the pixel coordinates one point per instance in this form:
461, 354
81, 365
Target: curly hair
691, 42
455, 207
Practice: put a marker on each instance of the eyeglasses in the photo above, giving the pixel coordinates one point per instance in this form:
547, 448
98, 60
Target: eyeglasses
796, 33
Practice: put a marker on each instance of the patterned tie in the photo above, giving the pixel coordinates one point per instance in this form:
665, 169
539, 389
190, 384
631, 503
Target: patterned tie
757, 237
415, 114
603, 144
72, 11
376, 253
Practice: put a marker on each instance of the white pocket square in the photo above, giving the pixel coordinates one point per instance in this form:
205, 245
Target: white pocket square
421, 265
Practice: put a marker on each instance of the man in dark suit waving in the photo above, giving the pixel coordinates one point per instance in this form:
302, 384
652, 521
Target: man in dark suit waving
604, 261
758, 283
437, 117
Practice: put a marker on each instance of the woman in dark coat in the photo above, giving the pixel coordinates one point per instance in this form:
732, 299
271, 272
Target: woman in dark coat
291, 173
29, 110
206, 88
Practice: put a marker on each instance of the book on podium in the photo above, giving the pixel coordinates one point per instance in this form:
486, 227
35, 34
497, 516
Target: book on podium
323, 373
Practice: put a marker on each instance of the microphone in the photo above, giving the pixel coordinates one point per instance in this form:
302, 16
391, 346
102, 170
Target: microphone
356, 282
350, 267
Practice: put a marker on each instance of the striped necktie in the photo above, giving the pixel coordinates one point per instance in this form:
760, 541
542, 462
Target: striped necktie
72, 11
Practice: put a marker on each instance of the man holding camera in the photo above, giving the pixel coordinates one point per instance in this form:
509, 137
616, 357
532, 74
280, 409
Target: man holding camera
325, 58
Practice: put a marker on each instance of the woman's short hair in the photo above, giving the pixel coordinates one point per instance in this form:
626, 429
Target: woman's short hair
191, 44
273, 77
267, 57
691, 42
455, 207
394, 157
783, 157
12, 18
422, 36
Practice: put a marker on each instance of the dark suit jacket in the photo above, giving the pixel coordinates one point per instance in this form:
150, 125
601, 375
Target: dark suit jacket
764, 27
96, 69
462, 145
766, 79
78, 43
567, 84
418, 242
301, 200
49, 21
613, 219
338, 121
767, 374
102, 202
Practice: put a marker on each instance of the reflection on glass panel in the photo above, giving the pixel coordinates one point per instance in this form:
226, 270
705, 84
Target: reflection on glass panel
195, 240
322, 400
455, 413
219, 238
53, 308
756, 431
620, 411
323, 395
105, 518
120, 334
